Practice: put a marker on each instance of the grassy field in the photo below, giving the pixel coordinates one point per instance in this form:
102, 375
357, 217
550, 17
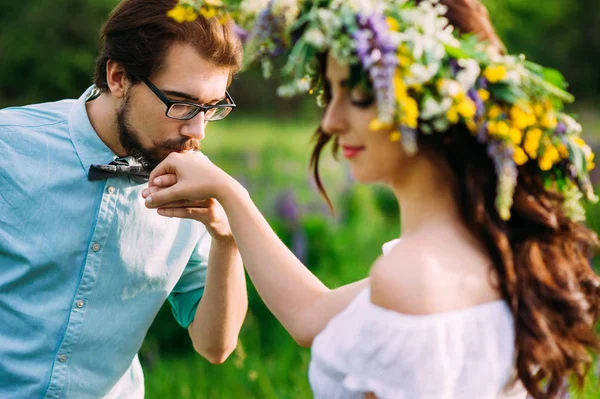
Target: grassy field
271, 160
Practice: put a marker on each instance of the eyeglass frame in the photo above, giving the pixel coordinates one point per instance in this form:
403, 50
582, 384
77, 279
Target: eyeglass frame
201, 108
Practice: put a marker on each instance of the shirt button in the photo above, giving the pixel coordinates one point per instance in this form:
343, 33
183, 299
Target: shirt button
96, 247
110, 189
62, 358
80, 303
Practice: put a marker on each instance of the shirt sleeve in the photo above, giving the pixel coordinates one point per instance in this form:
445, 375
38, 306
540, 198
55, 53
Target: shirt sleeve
189, 289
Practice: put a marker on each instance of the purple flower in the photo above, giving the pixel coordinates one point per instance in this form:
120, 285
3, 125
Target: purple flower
474, 95
561, 128
300, 244
240, 32
482, 133
454, 67
482, 82
377, 53
286, 207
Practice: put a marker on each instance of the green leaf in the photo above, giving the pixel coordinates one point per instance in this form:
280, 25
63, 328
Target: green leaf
456, 52
577, 157
507, 93
554, 77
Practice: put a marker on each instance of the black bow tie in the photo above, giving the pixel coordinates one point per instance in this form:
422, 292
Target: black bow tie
119, 167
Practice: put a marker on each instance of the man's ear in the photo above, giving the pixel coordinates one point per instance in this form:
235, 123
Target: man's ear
116, 79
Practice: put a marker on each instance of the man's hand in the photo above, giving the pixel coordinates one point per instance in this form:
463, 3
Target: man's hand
209, 212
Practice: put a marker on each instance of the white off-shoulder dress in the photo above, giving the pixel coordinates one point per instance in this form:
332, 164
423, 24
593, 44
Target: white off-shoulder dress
464, 354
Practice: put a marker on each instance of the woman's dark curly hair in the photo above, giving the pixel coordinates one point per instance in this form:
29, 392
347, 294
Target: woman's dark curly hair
541, 257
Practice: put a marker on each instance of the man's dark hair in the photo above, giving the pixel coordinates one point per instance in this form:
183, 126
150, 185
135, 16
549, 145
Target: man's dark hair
139, 33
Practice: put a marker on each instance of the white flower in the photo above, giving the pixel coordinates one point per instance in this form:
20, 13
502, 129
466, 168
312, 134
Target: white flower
441, 124
316, 38
572, 125
432, 108
288, 8
451, 88
253, 7
421, 74
469, 74
513, 77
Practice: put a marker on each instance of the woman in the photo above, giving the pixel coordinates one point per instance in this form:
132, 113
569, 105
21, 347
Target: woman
490, 282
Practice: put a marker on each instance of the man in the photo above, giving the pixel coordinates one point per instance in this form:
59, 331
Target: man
84, 266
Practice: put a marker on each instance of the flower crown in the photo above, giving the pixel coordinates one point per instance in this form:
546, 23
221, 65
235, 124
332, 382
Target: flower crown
425, 78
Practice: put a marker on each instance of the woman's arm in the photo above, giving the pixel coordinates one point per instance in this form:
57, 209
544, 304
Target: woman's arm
299, 300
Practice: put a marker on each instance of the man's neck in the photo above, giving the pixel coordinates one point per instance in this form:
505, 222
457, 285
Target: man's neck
102, 114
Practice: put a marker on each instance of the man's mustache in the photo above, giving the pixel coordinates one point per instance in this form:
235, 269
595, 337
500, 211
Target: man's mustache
180, 145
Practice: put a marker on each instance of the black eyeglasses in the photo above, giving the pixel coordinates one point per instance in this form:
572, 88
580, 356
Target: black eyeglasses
184, 110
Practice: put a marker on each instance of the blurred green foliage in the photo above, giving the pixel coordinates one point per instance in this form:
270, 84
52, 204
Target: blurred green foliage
48, 47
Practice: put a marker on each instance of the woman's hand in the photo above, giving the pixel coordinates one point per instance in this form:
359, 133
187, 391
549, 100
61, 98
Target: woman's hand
183, 185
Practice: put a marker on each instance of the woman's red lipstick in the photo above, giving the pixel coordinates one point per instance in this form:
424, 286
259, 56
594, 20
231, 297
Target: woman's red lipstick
351, 151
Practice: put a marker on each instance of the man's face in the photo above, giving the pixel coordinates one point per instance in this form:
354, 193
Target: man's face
145, 131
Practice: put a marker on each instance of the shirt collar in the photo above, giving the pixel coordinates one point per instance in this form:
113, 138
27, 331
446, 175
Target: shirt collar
90, 148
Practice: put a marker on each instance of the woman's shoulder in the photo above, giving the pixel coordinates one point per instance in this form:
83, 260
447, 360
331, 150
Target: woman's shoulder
419, 275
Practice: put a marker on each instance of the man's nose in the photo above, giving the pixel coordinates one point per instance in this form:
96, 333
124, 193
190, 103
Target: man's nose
194, 128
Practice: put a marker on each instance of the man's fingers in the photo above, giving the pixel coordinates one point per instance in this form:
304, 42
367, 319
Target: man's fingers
185, 213
187, 204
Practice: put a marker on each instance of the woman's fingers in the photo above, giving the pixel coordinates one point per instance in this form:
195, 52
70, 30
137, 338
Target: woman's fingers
166, 167
165, 180
164, 196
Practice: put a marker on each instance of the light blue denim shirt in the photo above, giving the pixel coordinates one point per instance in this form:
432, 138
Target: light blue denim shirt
84, 266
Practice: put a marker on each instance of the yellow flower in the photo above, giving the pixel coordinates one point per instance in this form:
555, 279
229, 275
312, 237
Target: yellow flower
545, 163
538, 109
376, 125
492, 127
208, 13
178, 13
521, 118
399, 87
395, 136
551, 153
563, 151
515, 135
503, 129
417, 87
590, 161
393, 24
452, 115
519, 156
494, 112
532, 142
535, 134
213, 3
466, 108
580, 142
484, 94
549, 121
495, 73
472, 126
410, 112
404, 61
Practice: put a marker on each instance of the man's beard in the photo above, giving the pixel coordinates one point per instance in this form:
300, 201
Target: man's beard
149, 158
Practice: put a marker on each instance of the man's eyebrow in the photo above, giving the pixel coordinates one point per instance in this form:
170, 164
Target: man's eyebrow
189, 97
